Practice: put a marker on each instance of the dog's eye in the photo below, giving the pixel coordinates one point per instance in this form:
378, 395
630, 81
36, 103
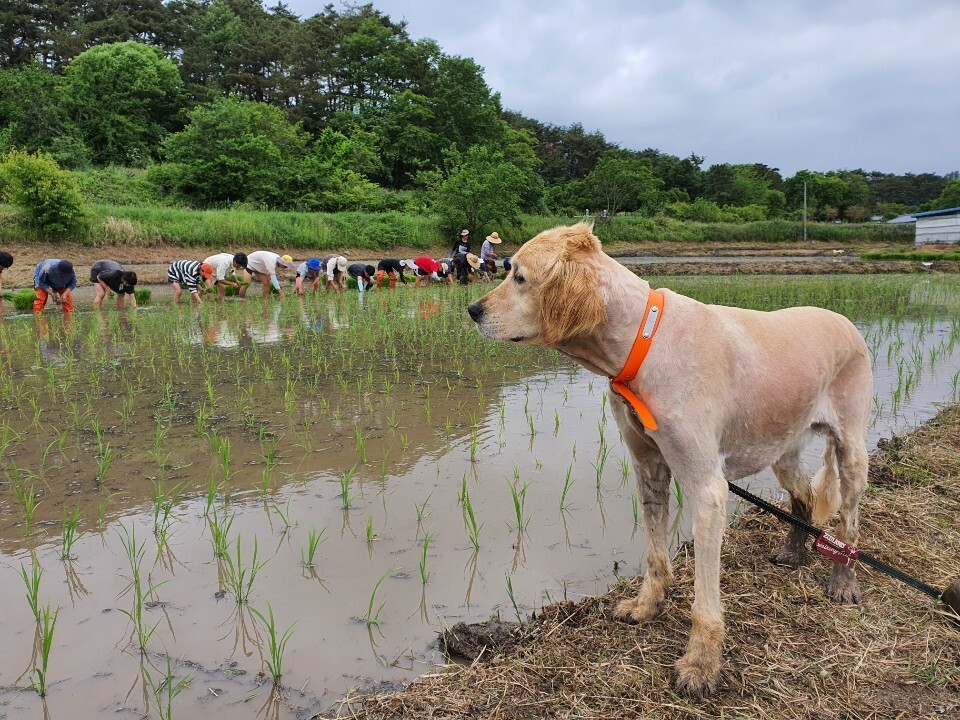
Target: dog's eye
520, 279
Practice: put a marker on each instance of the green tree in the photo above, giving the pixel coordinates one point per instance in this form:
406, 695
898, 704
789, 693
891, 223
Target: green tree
623, 181
481, 190
949, 198
123, 99
45, 194
236, 150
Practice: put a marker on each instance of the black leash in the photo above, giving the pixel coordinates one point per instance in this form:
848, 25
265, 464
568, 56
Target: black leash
832, 547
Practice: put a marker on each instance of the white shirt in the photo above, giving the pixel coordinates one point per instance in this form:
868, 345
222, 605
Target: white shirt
263, 261
222, 264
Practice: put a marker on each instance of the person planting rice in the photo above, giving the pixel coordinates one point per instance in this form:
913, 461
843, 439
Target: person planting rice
310, 270
363, 274
224, 265
461, 244
465, 265
109, 276
335, 268
57, 278
263, 265
488, 258
6, 260
426, 268
390, 267
189, 274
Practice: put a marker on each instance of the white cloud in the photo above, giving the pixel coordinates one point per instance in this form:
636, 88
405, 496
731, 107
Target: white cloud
796, 84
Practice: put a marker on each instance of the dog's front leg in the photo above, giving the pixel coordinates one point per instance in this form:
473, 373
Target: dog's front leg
653, 486
698, 671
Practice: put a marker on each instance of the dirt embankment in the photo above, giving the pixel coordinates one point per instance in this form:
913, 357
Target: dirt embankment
790, 653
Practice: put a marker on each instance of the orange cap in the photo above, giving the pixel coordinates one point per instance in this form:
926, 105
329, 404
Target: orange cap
206, 269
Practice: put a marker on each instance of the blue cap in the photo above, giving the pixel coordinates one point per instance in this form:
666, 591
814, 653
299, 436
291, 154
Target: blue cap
313, 264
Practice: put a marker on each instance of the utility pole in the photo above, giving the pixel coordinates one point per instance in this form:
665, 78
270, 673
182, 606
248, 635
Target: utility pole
804, 211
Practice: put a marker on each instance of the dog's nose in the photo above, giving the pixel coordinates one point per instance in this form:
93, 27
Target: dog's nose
476, 311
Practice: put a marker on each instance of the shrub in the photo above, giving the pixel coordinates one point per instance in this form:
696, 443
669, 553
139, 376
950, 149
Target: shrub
45, 194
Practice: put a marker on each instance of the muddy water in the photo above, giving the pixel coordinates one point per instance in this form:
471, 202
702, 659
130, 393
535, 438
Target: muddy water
399, 390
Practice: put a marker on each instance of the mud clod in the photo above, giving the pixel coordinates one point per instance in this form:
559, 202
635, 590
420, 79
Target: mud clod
470, 641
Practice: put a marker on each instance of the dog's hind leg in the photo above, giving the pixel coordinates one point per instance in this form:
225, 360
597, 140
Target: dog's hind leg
793, 478
852, 455
852, 394
653, 484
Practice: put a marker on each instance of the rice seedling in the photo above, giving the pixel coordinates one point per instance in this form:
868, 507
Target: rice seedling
361, 444
422, 507
346, 479
284, 515
30, 504
677, 493
519, 496
513, 600
69, 534
240, 578
104, 458
220, 533
276, 646
371, 535
314, 540
46, 625
567, 484
166, 690
213, 491
373, 617
599, 465
32, 583
424, 575
635, 504
470, 519
140, 591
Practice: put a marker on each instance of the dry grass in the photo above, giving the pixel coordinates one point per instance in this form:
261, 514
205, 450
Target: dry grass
790, 652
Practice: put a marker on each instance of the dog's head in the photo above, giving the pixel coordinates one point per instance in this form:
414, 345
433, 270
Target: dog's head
552, 294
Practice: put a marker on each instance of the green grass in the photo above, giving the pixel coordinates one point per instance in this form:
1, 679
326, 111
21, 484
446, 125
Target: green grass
918, 255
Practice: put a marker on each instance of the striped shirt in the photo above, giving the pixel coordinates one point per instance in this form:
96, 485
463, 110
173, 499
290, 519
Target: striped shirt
186, 273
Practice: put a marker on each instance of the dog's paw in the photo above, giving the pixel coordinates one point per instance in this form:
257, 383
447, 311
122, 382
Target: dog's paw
843, 587
637, 613
697, 676
792, 556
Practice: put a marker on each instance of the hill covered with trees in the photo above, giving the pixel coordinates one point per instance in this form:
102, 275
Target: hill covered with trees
230, 103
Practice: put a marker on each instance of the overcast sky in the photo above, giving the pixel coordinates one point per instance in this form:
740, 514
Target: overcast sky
796, 84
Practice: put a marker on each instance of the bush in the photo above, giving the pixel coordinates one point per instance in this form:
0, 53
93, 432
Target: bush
45, 194
117, 185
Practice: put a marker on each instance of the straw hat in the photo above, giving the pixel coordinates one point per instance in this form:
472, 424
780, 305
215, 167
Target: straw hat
494, 238
342, 264
473, 260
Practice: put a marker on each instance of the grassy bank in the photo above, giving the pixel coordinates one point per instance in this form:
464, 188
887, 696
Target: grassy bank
790, 653
151, 226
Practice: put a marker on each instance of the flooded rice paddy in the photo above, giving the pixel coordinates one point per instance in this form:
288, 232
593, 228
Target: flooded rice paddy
180, 486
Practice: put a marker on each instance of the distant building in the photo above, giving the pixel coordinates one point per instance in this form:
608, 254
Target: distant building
938, 226
901, 220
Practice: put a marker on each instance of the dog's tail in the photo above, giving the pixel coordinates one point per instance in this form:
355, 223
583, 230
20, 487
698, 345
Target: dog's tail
825, 487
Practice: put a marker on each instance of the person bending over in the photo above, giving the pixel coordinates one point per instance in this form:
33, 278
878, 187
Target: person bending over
227, 272
188, 274
263, 265
392, 268
57, 278
363, 274
108, 276
309, 271
6, 261
335, 268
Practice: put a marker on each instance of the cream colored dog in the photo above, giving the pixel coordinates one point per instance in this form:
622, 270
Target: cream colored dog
732, 391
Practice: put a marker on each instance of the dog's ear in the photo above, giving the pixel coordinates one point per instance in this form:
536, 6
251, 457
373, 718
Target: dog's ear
570, 302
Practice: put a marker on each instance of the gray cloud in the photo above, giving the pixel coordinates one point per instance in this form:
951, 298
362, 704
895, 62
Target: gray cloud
812, 84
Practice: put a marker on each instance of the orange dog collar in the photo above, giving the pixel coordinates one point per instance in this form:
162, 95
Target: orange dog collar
648, 328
